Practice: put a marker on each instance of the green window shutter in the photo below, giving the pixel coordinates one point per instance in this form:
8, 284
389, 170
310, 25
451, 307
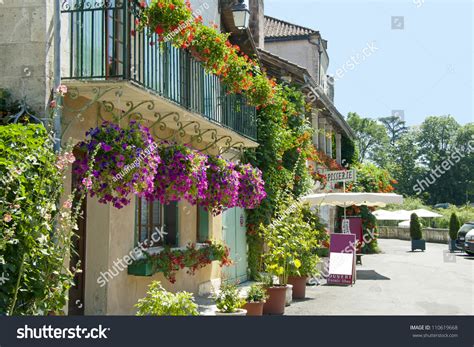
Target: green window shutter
203, 224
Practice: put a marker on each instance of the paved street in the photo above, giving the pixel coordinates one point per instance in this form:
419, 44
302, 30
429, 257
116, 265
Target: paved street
399, 282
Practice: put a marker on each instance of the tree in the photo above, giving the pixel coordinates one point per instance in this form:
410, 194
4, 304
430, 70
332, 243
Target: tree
371, 136
454, 225
395, 126
406, 169
437, 138
446, 157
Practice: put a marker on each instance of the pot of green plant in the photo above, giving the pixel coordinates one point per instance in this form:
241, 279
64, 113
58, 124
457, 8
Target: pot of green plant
256, 298
299, 286
275, 293
417, 241
300, 270
454, 226
229, 302
276, 302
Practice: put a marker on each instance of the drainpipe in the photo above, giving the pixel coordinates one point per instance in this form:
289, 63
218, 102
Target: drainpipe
57, 74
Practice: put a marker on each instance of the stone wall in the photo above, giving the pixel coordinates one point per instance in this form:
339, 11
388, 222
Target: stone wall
430, 235
26, 46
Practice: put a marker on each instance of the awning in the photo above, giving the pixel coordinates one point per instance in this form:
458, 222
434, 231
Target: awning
350, 199
403, 215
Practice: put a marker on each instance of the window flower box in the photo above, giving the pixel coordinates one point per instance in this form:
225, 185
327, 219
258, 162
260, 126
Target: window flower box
141, 268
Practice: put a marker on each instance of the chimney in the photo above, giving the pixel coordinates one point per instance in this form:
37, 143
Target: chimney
257, 22
330, 88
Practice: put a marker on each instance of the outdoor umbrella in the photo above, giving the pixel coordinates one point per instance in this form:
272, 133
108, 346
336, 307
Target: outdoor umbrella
349, 199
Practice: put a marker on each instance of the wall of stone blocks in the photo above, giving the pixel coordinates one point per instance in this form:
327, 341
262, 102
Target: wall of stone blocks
26, 50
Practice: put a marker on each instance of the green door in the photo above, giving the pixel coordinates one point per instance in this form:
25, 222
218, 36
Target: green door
234, 229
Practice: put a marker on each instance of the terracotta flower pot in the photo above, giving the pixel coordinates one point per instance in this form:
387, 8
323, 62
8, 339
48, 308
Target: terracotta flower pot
276, 301
254, 308
299, 286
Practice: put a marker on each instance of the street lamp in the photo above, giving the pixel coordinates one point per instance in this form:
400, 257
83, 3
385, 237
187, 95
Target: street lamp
241, 15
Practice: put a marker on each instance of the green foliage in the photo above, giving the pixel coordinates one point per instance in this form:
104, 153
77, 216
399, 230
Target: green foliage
349, 152
257, 293
159, 302
415, 227
395, 126
371, 136
415, 154
464, 213
405, 164
372, 179
32, 255
454, 226
292, 240
284, 137
228, 299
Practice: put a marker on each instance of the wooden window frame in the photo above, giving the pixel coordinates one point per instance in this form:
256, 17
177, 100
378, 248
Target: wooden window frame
150, 225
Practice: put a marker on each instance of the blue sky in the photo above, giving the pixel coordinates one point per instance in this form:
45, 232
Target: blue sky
425, 69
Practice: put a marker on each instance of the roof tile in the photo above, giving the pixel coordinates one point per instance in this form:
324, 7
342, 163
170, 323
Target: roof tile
276, 28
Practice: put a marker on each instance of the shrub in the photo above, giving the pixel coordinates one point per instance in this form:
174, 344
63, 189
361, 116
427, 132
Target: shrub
257, 293
32, 255
228, 299
454, 226
415, 227
159, 302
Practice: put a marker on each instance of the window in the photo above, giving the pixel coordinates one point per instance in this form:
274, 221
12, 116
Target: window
202, 225
153, 216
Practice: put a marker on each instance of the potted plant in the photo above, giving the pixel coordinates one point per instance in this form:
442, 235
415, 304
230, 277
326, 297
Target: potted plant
159, 302
454, 226
229, 302
299, 276
276, 295
311, 234
417, 241
256, 298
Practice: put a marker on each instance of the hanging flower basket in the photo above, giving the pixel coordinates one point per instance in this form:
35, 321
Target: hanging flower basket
181, 175
125, 162
223, 185
251, 187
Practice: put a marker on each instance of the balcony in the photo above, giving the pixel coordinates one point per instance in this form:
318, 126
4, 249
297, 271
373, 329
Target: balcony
101, 49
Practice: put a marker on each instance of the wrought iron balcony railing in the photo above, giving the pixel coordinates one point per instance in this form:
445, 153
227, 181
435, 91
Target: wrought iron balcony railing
101, 47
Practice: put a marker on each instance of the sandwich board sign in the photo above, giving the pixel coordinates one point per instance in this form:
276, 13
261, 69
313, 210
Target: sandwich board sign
342, 259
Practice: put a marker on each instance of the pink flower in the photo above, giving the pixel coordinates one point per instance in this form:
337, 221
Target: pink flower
87, 182
7, 218
53, 104
62, 90
67, 204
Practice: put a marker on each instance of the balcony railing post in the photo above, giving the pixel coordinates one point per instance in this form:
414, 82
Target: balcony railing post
126, 40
